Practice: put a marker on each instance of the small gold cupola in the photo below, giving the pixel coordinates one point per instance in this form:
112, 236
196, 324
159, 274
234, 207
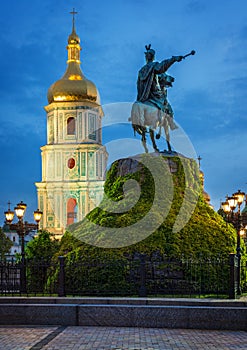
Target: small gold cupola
73, 47
73, 86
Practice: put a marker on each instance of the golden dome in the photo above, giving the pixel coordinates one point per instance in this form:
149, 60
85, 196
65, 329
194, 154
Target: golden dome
73, 86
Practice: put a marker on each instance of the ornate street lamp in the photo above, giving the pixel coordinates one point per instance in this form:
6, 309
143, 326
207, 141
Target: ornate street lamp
9, 216
22, 228
20, 210
226, 207
239, 196
37, 214
231, 203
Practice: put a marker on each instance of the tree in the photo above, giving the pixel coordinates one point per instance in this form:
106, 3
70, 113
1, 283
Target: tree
39, 253
5, 245
42, 247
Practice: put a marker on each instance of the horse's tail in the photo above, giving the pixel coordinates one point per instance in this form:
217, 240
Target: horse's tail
137, 119
171, 123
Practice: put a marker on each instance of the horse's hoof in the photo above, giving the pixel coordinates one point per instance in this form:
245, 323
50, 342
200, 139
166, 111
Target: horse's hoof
156, 150
170, 152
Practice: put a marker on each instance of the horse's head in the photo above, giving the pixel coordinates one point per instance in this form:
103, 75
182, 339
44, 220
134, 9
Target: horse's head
165, 80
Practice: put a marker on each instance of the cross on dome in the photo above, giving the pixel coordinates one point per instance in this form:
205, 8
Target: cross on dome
73, 13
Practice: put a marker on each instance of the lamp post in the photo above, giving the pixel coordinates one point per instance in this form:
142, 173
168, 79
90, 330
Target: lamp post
22, 228
229, 206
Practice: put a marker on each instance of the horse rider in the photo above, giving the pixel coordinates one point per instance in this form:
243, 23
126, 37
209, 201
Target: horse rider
148, 87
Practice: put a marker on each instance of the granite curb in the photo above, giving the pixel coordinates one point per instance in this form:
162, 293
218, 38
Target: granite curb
126, 312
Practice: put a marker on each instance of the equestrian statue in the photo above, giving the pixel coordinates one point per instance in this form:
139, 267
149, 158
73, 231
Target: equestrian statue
152, 109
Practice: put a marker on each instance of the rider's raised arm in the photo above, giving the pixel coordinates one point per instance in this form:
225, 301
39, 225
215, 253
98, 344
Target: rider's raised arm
161, 67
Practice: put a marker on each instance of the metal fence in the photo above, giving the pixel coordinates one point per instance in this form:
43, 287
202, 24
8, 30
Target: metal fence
138, 275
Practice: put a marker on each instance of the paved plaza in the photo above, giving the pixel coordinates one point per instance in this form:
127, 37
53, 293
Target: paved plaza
113, 338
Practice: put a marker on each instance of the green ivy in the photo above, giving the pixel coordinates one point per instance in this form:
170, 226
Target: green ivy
206, 234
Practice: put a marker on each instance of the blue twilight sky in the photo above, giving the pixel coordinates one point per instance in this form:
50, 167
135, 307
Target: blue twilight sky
208, 98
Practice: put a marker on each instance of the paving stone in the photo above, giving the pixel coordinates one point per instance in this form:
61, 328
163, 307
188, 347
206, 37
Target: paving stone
118, 338
22, 338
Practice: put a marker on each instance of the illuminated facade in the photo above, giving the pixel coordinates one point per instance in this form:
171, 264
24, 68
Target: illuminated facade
74, 159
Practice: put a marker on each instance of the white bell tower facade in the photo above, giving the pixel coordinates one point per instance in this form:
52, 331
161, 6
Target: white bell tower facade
74, 159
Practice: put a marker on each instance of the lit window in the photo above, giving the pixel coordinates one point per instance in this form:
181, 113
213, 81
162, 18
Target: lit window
71, 211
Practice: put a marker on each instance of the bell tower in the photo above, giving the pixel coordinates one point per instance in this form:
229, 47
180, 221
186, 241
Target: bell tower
74, 159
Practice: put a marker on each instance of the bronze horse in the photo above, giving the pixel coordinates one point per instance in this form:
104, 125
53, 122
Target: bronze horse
146, 118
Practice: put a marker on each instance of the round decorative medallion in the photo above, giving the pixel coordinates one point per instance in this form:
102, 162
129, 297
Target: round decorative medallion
71, 163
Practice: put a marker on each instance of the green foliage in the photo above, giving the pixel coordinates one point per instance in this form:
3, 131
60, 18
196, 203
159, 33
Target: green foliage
42, 247
206, 233
102, 275
39, 254
205, 236
5, 245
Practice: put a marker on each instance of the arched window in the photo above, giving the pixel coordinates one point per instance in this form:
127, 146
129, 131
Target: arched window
71, 126
71, 211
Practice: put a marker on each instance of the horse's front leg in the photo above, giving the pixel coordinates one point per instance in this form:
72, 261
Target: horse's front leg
159, 133
166, 129
153, 140
159, 124
169, 146
144, 141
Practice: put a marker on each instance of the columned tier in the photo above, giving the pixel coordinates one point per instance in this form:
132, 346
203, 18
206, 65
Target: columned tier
64, 203
73, 123
73, 162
